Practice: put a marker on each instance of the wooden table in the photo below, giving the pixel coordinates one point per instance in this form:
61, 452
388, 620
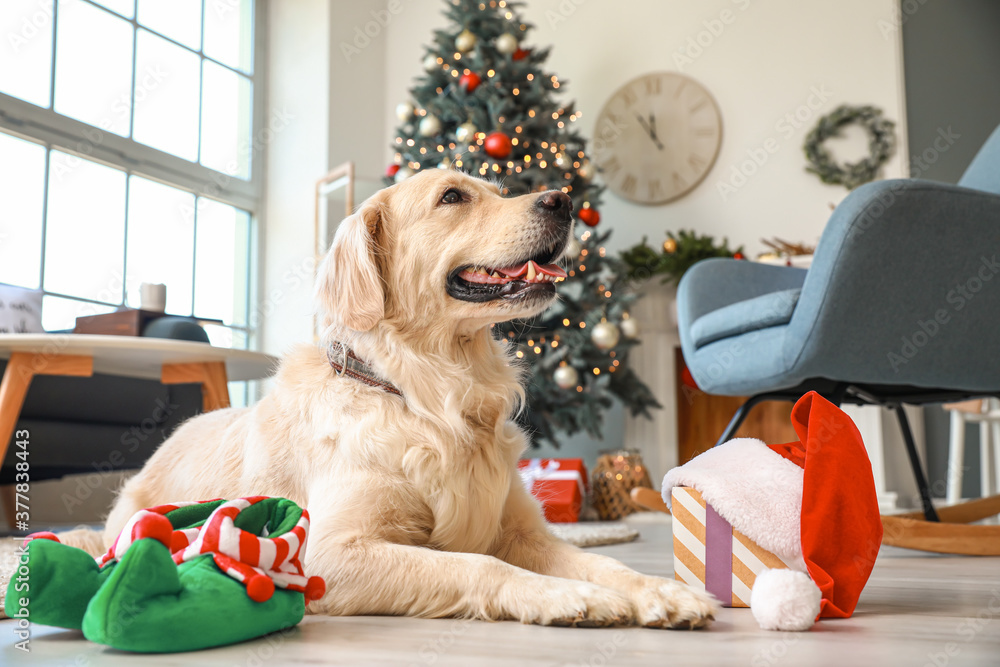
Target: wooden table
169, 361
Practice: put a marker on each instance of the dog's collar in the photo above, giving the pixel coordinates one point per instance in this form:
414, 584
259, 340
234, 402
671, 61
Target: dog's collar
344, 362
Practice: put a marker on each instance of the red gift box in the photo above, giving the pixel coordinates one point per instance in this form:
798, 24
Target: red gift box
559, 484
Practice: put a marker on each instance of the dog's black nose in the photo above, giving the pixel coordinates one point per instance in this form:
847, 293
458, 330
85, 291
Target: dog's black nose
555, 203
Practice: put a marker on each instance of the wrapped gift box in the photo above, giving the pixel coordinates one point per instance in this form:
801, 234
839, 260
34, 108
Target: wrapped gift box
559, 484
710, 555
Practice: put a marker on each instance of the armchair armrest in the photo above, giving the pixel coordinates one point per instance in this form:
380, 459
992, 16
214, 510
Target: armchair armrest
712, 284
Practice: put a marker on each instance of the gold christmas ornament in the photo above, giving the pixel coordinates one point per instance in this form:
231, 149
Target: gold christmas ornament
465, 41
670, 246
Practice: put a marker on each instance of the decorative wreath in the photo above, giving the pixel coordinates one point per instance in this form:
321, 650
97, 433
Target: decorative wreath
881, 143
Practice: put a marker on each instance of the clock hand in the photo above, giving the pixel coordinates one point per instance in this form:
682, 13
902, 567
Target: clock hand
650, 127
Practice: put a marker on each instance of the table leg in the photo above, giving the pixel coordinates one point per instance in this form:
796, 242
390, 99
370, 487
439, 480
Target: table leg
21, 370
211, 375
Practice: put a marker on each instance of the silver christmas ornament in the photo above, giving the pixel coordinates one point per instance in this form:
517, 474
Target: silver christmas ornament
566, 377
429, 126
605, 335
466, 133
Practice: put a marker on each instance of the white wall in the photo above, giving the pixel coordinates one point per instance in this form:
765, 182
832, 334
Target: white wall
335, 108
761, 66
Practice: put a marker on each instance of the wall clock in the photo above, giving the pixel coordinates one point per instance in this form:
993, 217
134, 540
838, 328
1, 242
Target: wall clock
657, 137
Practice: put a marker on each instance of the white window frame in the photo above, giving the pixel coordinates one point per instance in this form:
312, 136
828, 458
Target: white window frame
58, 132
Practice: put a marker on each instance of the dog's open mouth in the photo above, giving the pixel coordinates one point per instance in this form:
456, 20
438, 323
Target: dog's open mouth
531, 278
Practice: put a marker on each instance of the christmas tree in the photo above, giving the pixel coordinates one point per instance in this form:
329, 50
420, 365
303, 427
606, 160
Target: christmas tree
485, 106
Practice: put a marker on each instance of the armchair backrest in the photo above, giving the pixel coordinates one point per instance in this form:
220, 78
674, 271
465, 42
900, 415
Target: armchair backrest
983, 173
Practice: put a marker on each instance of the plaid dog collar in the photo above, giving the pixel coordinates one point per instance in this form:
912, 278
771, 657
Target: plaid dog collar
344, 362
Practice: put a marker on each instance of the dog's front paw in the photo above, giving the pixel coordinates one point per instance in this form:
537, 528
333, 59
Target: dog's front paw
663, 603
553, 601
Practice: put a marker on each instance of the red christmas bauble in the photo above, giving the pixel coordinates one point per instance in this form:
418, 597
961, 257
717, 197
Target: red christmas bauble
590, 216
391, 170
687, 379
520, 54
738, 255
469, 82
498, 145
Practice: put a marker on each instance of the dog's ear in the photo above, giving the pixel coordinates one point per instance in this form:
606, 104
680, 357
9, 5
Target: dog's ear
348, 285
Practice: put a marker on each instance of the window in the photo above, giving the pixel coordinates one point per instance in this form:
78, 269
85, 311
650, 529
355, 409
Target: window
126, 156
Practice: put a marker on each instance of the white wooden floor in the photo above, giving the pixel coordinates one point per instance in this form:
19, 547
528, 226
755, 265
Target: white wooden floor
917, 610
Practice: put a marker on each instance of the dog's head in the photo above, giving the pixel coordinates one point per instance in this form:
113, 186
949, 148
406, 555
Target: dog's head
443, 248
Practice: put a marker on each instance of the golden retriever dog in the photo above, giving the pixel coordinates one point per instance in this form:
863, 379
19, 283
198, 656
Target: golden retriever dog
416, 505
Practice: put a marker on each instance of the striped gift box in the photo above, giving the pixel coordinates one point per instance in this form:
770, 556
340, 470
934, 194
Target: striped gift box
710, 555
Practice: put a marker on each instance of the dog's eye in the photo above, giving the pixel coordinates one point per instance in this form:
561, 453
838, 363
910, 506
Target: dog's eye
451, 196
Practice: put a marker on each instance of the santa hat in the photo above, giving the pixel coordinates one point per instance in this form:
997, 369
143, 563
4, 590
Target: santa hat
812, 503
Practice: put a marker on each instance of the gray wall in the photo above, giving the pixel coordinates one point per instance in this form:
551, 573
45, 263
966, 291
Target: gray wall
951, 59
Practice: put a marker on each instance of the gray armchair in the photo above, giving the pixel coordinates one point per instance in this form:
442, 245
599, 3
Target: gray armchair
901, 305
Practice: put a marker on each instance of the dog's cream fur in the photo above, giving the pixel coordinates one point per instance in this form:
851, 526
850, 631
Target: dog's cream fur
416, 505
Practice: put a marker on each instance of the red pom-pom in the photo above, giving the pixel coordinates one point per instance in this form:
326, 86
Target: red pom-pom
738, 255
260, 588
498, 145
156, 526
590, 216
391, 170
42, 535
469, 82
520, 54
315, 588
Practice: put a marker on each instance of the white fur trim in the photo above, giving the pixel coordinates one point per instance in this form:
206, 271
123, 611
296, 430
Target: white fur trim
785, 600
755, 489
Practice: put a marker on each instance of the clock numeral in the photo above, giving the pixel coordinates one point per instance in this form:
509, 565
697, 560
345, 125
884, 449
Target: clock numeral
679, 89
653, 86
655, 189
629, 184
697, 162
704, 131
611, 167
699, 105
629, 97
679, 182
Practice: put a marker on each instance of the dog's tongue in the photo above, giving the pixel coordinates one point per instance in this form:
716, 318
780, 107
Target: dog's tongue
519, 271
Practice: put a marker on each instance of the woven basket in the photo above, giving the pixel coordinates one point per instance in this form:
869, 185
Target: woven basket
615, 475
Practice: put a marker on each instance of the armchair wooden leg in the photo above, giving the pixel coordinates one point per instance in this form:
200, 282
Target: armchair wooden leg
211, 375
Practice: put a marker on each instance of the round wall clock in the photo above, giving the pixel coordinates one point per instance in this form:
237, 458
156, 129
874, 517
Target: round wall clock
657, 137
